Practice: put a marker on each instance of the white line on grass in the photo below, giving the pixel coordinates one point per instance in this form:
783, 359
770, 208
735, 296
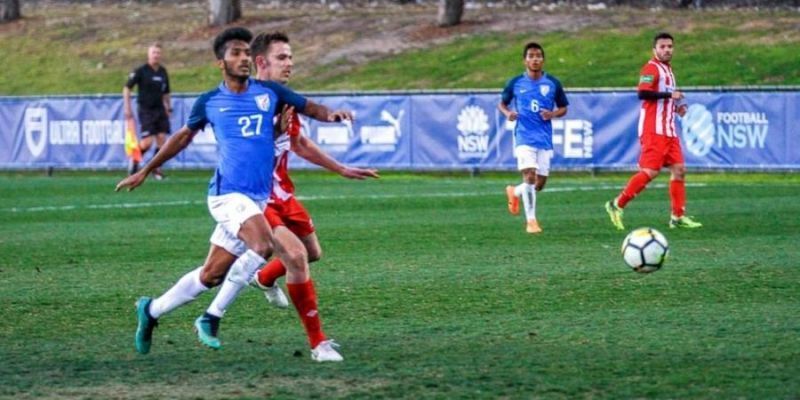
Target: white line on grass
150, 204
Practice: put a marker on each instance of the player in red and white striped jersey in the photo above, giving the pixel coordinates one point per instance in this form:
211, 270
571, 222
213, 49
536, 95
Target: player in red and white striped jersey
661, 146
291, 223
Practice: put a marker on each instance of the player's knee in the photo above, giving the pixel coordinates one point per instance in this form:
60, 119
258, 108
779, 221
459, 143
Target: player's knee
651, 173
295, 258
210, 277
245, 267
239, 275
262, 247
313, 250
314, 254
679, 173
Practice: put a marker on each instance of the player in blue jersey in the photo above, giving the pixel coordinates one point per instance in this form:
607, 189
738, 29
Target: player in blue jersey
532, 99
241, 112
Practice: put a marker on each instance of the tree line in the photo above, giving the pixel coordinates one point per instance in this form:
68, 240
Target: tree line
223, 12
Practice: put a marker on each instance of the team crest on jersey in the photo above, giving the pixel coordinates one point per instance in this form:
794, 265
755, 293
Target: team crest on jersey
544, 90
262, 102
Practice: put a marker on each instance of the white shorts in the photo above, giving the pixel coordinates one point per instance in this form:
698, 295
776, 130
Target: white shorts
532, 158
230, 211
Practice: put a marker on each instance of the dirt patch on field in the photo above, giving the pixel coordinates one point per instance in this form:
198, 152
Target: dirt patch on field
225, 388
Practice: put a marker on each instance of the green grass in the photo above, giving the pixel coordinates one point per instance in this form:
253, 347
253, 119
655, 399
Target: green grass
586, 58
432, 289
88, 49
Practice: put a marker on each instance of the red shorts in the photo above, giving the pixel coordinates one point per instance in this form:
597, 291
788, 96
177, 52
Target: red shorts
291, 214
659, 151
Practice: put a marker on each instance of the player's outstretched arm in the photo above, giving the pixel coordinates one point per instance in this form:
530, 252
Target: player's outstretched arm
174, 145
306, 148
325, 114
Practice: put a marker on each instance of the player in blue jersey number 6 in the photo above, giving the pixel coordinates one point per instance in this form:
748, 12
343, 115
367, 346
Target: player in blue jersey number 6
241, 111
537, 98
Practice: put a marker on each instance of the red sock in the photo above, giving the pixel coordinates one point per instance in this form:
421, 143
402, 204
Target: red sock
677, 193
636, 184
272, 271
304, 298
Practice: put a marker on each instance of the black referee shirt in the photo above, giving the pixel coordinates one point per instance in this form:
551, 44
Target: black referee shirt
152, 86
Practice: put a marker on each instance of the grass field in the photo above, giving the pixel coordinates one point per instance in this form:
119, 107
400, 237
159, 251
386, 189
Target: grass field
432, 289
587, 58
96, 46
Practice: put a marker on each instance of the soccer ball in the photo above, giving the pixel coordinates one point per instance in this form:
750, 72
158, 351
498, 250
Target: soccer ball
645, 250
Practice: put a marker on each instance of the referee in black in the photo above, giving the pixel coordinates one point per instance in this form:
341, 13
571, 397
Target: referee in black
154, 106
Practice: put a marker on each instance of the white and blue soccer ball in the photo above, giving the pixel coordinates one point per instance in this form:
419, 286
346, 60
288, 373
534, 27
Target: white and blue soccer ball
645, 250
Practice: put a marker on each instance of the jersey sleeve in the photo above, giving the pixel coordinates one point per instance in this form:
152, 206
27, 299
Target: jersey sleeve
286, 96
648, 78
560, 97
197, 118
508, 92
133, 78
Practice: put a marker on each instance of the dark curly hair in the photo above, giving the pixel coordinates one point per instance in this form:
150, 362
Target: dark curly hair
662, 35
222, 40
532, 45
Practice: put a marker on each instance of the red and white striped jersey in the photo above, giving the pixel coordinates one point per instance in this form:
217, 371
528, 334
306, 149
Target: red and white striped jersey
282, 185
657, 117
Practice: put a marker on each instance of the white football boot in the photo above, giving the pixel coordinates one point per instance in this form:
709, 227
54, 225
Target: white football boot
274, 293
325, 351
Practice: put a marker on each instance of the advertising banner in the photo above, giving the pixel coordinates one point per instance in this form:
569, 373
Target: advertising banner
755, 130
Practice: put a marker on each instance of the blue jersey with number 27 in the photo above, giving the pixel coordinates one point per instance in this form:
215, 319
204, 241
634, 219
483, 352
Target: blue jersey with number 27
243, 128
530, 98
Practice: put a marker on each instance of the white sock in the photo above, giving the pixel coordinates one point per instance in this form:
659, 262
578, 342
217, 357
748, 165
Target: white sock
185, 290
520, 189
529, 200
239, 275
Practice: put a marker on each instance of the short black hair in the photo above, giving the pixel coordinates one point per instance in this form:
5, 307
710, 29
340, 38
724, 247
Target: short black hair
662, 35
221, 41
262, 41
532, 45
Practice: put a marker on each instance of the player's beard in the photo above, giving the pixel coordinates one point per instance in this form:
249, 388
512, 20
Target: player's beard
233, 73
664, 57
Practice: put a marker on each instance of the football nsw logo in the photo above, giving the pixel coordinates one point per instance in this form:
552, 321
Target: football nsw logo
698, 130
703, 130
473, 123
